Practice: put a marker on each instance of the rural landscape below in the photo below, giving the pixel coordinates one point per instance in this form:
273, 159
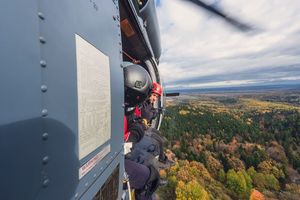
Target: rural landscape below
233, 144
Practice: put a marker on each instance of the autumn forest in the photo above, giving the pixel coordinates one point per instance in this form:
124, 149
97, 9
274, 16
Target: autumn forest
233, 146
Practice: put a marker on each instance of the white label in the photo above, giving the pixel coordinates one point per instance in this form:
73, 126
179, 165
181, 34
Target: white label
94, 98
127, 147
89, 165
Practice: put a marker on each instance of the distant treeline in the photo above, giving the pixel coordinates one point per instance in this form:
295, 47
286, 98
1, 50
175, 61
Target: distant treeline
242, 89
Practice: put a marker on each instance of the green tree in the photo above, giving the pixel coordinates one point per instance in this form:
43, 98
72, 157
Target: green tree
235, 183
263, 181
243, 174
222, 176
269, 167
271, 182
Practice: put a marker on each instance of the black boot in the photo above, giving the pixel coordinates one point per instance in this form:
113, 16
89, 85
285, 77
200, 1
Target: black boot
165, 163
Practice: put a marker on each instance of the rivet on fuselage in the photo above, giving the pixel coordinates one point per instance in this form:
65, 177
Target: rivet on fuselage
42, 40
45, 160
46, 183
44, 112
43, 63
41, 16
45, 136
44, 88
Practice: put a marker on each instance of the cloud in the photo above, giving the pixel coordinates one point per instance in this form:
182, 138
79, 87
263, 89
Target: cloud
246, 77
199, 49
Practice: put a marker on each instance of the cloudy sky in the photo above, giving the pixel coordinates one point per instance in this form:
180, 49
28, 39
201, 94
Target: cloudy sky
200, 50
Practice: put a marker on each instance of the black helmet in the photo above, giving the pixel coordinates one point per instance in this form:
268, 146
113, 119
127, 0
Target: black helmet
138, 84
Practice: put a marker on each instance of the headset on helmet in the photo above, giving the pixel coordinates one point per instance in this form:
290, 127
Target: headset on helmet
138, 84
157, 89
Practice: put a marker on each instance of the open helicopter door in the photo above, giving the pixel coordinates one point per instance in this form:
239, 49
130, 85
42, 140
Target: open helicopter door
141, 39
61, 83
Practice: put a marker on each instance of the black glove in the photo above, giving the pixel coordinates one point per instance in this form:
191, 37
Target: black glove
136, 133
149, 113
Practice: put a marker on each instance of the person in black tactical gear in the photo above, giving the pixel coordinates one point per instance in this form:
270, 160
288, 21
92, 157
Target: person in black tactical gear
148, 113
143, 178
138, 86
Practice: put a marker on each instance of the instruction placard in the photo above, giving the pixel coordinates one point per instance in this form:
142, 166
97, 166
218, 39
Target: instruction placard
94, 97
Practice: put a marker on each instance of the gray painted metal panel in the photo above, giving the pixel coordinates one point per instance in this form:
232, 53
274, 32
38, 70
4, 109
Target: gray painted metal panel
20, 72
39, 120
89, 194
60, 99
20, 101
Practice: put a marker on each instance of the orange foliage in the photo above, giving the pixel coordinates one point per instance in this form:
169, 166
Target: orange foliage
256, 195
162, 173
176, 145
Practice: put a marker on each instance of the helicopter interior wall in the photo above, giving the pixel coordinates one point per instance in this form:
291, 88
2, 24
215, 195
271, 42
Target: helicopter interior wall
39, 111
133, 44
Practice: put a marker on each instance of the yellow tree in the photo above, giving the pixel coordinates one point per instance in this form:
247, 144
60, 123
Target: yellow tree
191, 191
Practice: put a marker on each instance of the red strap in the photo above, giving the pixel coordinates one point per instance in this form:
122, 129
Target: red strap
126, 132
137, 112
